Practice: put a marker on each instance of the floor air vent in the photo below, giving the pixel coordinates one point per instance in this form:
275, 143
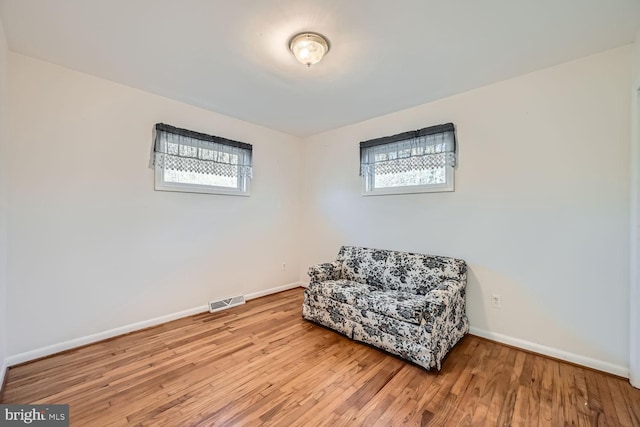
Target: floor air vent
225, 303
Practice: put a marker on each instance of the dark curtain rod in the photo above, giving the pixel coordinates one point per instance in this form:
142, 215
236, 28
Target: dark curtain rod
202, 136
447, 127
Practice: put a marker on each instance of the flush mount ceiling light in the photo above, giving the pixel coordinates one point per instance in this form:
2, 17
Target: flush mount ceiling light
309, 48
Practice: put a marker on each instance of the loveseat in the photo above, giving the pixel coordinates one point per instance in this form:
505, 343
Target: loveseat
408, 304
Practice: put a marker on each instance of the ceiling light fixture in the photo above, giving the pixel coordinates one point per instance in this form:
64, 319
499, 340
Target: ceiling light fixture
309, 48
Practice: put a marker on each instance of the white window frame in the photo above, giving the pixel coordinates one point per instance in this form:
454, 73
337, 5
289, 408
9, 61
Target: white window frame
368, 180
242, 189
203, 143
368, 186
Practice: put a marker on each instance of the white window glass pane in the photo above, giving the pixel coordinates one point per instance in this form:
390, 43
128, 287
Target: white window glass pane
413, 177
187, 177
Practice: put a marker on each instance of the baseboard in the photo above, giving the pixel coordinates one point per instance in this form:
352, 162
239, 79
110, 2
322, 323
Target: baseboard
89, 339
273, 290
599, 365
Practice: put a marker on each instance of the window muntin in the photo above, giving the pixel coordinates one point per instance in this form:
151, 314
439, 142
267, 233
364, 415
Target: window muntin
193, 162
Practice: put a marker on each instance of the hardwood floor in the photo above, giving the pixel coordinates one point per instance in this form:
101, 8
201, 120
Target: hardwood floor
261, 364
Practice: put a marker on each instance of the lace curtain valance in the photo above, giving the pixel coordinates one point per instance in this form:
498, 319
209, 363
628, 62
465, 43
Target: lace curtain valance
184, 150
423, 149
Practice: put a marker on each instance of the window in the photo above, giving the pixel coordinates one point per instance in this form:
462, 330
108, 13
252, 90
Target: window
194, 162
411, 162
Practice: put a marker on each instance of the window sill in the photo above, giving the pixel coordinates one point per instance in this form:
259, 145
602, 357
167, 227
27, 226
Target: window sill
409, 190
192, 188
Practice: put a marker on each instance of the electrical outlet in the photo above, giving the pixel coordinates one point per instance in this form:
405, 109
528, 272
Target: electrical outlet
496, 301
284, 266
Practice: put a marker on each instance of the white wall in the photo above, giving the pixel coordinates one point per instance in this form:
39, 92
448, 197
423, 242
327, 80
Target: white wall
634, 338
4, 102
93, 246
540, 211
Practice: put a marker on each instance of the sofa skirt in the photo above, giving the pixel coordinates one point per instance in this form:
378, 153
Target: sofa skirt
389, 334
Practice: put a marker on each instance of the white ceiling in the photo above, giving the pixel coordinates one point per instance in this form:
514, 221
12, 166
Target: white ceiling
231, 56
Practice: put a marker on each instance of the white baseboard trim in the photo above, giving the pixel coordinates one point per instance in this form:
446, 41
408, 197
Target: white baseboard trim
273, 290
599, 365
89, 339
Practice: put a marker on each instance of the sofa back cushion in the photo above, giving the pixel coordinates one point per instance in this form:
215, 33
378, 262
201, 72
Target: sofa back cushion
401, 271
363, 265
419, 274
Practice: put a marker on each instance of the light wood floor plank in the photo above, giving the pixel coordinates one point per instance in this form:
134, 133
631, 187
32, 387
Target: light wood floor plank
262, 364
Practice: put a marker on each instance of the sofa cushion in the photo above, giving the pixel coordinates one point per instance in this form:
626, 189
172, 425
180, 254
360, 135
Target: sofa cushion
341, 316
363, 264
345, 291
418, 273
405, 306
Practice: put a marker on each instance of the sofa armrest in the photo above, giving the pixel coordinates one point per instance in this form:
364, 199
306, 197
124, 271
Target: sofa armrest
448, 294
445, 306
444, 319
326, 271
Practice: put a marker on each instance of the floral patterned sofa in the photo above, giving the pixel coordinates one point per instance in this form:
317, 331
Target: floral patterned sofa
408, 304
